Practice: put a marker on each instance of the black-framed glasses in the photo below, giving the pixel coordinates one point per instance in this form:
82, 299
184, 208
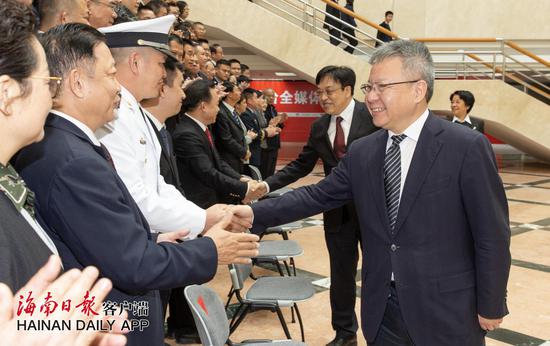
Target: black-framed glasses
380, 87
329, 92
54, 83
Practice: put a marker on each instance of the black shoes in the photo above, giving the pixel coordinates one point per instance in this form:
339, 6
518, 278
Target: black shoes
344, 341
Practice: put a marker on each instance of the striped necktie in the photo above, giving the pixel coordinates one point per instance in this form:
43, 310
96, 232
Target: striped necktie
392, 178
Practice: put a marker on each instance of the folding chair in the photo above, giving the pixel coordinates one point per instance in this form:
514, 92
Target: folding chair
268, 293
211, 320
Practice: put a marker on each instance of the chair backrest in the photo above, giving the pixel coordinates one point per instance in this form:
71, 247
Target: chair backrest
239, 273
254, 172
209, 314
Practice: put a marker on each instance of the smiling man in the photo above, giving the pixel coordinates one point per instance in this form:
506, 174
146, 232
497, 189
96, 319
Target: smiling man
432, 211
345, 121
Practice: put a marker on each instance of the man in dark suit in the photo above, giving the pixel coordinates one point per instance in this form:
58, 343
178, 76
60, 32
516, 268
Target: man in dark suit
345, 121
252, 123
229, 130
349, 31
205, 177
386, 25
273, 144
84, 205
432, 210
333, 24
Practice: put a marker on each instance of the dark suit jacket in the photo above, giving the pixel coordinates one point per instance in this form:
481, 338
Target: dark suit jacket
93, 220
168, 165
22, 251
230, 140
381, 36
450, 247
250, 120
348, 19
205, 177
319, 147
477, 124
273, 143
334, 24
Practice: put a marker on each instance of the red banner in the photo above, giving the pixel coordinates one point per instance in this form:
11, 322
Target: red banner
299, 101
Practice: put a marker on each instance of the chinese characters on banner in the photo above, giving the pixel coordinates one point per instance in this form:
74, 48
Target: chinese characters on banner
299, 101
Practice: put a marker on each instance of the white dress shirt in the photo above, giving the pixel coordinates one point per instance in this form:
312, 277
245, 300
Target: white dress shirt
136, 151
347, 117
467, 119
408, 145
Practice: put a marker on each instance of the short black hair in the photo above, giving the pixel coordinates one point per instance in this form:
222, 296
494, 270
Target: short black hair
249, 93
222, 62
242, 78
244, 67
156, 6
17, 56
234, 61
341, 74
203, 40
195, 93
175, 38
229, 87
197, 23
171, 67
388, 13
70, 45
145, 8
465, 96
214, 48
181, 5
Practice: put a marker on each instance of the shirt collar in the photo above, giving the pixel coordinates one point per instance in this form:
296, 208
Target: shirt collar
83, 127
203, 127
231, 108
127, 97
347, 113
414, 129
467, 119
155, 121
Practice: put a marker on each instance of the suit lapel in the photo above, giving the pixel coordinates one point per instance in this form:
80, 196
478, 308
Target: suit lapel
357, 123
426, 151
325, 123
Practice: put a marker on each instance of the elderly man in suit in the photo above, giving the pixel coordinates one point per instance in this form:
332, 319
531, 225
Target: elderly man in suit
345, 121
84, 205
432, 211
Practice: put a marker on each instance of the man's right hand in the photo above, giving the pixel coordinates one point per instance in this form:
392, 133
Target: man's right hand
235, 248
272, 131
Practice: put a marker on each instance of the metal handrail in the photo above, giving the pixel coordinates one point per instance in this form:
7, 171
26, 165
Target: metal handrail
503, 66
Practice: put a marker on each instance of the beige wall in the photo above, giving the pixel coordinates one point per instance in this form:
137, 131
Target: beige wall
511, 19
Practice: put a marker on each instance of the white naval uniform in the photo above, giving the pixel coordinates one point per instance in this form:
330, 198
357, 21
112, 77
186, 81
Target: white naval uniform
136, 151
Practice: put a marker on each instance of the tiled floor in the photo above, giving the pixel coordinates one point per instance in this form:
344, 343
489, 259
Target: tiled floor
527, 184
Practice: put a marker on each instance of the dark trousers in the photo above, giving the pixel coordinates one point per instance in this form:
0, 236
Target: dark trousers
181, 318
335, 36
269, 162
343, 249
349, 34
392, 331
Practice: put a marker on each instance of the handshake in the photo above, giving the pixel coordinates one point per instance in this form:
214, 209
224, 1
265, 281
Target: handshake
256, 189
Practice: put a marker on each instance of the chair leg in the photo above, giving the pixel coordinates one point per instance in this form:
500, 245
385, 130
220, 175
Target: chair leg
237, 313
283, 322
233, 327
300, 322
293, 320
293, 265
279, 268
287, 267
229, 297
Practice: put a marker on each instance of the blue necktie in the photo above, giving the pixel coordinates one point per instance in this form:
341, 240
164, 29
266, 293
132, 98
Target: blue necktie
235, 117
392, 178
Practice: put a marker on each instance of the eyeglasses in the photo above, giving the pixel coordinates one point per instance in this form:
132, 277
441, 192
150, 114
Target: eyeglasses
381, 87
54, 82
327, 91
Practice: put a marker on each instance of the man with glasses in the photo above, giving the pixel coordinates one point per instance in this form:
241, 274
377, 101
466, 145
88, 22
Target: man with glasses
432, 209
102, 13
345, 121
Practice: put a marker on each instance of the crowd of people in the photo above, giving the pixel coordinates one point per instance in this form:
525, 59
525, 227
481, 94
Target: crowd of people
132, 148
